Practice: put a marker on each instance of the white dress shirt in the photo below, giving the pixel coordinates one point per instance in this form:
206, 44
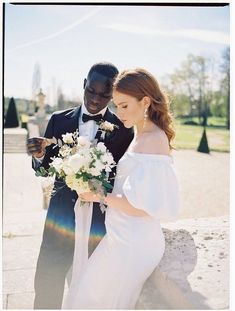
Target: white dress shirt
89, 128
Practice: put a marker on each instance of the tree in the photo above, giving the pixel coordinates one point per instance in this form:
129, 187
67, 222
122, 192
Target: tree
203, 145
204, 74
225, 83
181, 86
194, 79
11, 120
218, 107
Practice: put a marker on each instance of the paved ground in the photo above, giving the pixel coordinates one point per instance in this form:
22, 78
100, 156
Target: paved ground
204, 183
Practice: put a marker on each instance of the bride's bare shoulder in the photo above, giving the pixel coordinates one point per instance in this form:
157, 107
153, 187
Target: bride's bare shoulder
155, 142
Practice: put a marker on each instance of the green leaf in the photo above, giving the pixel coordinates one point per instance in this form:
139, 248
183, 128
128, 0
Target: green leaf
52, 170
41, 172
107, 185
42, 169
38, 174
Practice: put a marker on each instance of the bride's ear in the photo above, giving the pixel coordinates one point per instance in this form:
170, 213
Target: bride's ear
146, 102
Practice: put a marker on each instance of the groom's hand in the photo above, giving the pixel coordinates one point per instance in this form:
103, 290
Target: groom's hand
36, 146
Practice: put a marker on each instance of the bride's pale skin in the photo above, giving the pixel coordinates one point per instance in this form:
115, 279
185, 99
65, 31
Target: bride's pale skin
149, 139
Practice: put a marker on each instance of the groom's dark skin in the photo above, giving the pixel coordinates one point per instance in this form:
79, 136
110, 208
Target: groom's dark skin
97, 95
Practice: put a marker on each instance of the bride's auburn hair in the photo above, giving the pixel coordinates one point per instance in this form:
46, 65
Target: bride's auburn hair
139, 83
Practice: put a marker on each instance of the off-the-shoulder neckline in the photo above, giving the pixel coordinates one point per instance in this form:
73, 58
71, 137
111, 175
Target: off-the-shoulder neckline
163, 156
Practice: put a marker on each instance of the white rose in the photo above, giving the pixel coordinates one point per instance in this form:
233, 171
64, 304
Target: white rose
78, 185
101, 146
107, 158
99, 163
87, 159
65, 151
83, 142
67, 138
95, 171
57, 163
76, 162
66, 168
86, 153
107, 126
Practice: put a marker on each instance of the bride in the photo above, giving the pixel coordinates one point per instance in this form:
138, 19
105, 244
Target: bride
145, 192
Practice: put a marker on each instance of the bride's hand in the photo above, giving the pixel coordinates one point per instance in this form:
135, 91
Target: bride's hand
89, 197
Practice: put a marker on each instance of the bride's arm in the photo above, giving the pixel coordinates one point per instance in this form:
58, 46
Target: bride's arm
118, 202
121, 203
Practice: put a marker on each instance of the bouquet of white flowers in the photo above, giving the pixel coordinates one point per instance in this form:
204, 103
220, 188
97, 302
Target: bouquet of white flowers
83, 165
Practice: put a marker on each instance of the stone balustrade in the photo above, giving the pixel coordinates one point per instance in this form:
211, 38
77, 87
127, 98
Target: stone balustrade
194, 271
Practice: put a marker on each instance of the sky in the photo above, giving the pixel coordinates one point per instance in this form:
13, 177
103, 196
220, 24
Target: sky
67, 40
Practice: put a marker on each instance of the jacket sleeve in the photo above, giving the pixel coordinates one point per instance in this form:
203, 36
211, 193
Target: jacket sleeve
50, 151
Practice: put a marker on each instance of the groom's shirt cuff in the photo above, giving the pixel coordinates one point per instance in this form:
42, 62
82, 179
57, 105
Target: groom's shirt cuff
37, 161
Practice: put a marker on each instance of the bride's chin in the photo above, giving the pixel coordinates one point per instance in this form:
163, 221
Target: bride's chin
127, 125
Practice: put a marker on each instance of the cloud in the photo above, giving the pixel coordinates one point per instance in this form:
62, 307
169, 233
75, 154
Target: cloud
58, 33
195, 34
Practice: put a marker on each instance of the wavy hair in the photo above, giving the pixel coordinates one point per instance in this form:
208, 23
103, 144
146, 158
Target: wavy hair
139, 83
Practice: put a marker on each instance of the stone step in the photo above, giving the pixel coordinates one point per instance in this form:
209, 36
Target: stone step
9, 148
15, 140
14, 137
12, 140
15, 150
14, 144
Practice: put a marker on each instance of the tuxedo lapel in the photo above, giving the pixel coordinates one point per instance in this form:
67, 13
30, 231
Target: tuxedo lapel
71, 123
108, 116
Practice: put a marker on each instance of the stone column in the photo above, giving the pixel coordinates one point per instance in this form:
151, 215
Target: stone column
41, 113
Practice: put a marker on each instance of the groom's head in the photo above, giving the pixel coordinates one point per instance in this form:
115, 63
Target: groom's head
98, 86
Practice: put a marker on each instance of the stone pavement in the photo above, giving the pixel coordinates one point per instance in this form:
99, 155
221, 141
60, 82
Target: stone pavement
23, 219
204, 183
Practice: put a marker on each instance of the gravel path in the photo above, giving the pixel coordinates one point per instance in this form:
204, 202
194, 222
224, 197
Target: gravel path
204, 183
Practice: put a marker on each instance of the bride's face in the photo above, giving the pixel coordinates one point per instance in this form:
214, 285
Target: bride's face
129, 109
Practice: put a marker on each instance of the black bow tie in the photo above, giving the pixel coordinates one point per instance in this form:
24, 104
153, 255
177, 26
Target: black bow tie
96, 118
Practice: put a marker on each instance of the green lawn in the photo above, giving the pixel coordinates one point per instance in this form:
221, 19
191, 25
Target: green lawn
188, 136
212, 121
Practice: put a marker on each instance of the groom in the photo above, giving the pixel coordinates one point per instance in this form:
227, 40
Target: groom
56, 252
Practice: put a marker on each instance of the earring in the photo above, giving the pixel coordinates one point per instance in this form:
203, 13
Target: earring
145, 114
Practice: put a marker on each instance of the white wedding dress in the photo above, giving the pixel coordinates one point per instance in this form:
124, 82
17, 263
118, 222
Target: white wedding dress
112, 278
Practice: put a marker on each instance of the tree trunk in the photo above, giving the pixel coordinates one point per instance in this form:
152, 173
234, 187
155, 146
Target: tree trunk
228, 112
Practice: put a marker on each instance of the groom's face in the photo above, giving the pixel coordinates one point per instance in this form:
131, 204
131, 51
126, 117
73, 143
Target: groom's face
97, 92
